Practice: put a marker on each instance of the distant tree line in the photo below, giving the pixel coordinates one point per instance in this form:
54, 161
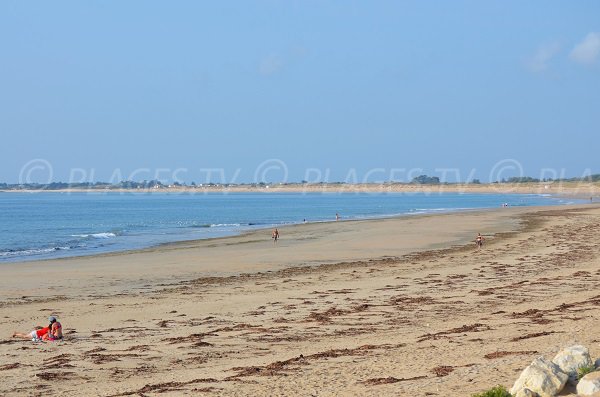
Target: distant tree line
528, 179
426, 180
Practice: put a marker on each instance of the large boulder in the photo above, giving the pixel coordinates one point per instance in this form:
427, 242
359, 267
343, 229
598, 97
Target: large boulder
570, 359
589, 384
542, 377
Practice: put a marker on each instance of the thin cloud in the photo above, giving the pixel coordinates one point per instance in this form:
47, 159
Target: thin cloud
270, 65
538, 62
588, 51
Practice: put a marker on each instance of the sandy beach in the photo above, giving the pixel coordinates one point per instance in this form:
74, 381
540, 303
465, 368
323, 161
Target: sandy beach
403, 306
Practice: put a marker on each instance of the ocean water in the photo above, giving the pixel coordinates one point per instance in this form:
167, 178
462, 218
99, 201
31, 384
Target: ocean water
52, 224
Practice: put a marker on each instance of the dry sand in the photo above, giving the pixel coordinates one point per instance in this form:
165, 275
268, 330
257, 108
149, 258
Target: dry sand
403, 306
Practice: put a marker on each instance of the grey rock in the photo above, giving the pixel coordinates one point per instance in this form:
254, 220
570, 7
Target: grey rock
570, 359
542, 377
589, 384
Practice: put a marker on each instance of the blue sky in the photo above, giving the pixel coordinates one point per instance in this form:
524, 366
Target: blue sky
322, 90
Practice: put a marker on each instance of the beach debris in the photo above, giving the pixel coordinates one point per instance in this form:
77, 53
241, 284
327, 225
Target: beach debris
499, 354
62, 360
141, 348
542, 377
389, 379
477, 327
570, 359
442, 370
589, 384
9, 366
411, 302
533, 335
325, 317
165, 387
292, 364
196, 339
56, 375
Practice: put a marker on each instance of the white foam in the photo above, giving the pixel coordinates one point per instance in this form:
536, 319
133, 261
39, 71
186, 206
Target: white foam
95, 235
31, 251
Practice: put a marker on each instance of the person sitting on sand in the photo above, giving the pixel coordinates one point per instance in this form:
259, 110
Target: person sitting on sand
479, 240
55, 332
36, 335
50, 333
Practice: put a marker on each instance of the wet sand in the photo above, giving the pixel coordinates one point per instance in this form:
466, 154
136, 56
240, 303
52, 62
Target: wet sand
403, 306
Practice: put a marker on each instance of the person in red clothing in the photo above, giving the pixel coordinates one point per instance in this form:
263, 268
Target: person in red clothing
51, 332
54, 331
35, 335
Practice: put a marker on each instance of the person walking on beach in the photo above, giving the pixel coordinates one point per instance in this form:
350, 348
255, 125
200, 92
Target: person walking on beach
50, 333
479, 240
275, 235
337, 216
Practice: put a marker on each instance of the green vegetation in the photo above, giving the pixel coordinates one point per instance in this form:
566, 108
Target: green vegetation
583, 371
426, 180
498, 391
528, 179
522, 179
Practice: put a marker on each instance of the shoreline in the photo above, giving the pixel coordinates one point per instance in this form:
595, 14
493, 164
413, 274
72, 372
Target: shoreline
258, 229
252, 252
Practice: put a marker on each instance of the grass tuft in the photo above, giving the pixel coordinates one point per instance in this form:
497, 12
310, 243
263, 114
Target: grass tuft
498, 391
583, 371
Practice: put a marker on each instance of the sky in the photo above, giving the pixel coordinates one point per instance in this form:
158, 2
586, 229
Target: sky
284, 91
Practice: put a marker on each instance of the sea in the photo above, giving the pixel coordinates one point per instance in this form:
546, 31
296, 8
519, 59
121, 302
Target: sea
46, 225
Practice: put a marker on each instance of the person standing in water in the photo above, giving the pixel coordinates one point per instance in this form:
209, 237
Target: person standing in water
337, 216
275, 235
